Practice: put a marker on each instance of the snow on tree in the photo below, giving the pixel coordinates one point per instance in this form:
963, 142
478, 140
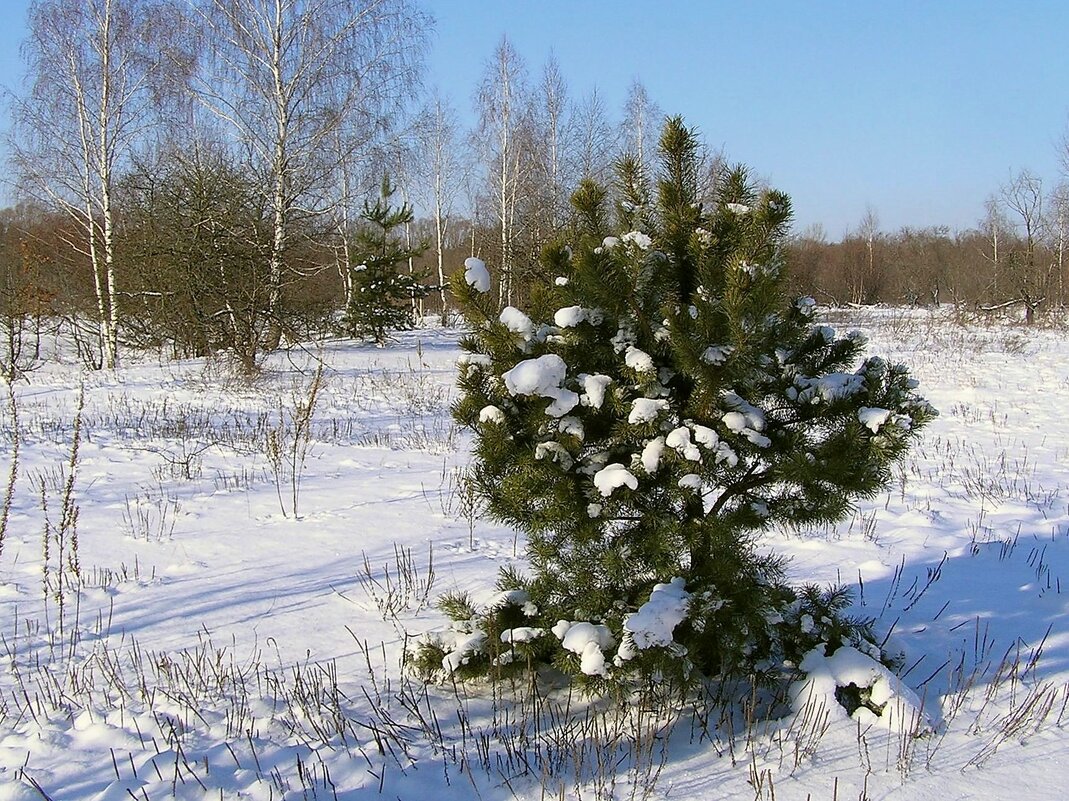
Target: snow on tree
658, 406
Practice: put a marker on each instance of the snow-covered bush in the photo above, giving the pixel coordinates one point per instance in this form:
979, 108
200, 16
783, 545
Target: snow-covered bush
851, 683
652, 410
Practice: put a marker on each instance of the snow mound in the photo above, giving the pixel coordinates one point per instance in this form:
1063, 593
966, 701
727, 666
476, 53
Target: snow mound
18, 791
901, 710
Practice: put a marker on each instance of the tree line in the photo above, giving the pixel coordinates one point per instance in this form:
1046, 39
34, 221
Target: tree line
1012, 261
225, 176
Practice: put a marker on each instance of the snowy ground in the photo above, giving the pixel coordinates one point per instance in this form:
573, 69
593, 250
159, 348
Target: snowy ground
211, 618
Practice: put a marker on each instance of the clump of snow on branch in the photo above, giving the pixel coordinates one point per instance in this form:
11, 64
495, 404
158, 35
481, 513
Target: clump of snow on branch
517, 322
465, 645
594, 387
717, 354
521, 634
643, 410
491, 414
589, 641
691, 481
571, 316
543, 377
508, 598
829, 388
613, 476
473, 360
872, 418
704, 435
679, 441
652, 625
638, 239
476, 275
651, 455
555, 452
638, 360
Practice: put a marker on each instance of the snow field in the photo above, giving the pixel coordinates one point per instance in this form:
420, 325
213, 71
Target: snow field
237, 596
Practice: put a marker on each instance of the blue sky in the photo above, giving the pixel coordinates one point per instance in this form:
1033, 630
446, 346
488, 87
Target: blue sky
918, 110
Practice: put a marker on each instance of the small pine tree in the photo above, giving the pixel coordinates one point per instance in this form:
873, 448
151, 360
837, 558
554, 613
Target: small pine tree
382, 295
662, 403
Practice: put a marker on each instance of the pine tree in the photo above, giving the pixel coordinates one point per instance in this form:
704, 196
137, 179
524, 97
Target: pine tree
382, 295
661, 404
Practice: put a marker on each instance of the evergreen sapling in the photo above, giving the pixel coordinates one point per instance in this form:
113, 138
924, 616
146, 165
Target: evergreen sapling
657, 407
382, 295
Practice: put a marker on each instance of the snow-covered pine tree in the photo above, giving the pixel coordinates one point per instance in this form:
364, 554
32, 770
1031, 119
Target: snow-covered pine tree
661, 404
382, 293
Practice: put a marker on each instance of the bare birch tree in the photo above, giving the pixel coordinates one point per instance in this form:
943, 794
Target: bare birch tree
867, 280
1057, 233
596, 142
502, 103
995, 229
98, 70
641, 126
552, 142
443, 172
305, 85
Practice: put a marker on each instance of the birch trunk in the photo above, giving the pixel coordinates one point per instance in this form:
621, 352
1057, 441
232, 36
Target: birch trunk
110, 319
280, 179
